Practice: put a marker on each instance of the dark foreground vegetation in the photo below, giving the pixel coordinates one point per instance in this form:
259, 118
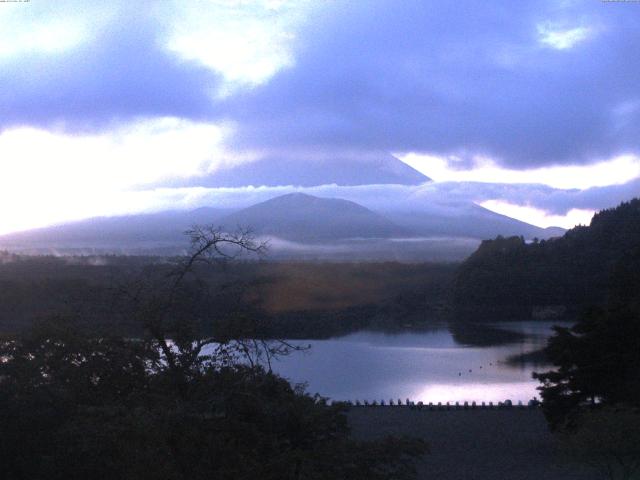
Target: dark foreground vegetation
159, 367
77, 403
477, 444
597, 375
75, 407
592, 396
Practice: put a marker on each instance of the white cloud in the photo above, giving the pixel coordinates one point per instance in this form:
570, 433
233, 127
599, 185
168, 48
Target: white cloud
615, 171
50, 28
247, 41
46, 37
49, 177
435, 199
539, 217
559, 39
251, 55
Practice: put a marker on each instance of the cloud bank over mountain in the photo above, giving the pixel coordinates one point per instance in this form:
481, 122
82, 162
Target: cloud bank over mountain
458, 78
436, 197
515, 85
524, 83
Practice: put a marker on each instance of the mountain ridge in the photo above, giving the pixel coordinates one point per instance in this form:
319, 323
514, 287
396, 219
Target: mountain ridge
318, 227
302, 217
339, 170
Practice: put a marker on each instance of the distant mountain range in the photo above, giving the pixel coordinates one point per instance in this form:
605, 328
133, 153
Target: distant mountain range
303, 225
122, 233
305, 218
383, 169
299, 225
467, 220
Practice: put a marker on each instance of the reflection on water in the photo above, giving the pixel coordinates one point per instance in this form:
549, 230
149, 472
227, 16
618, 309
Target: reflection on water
429, 366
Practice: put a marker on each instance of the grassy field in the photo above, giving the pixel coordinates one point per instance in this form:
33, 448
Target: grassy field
297, 298
323, 286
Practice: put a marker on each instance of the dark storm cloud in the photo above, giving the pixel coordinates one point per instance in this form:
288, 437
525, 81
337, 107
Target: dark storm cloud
458, 78
122, 73
452, 78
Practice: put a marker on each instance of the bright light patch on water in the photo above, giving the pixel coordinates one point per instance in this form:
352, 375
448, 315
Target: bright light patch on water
429, 366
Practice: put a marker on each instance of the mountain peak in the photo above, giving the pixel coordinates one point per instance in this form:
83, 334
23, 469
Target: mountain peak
299, 216
345, 170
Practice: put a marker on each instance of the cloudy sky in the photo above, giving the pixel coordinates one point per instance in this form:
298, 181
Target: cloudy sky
528, 108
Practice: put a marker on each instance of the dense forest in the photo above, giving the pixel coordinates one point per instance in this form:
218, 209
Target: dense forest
283, 299
555, 278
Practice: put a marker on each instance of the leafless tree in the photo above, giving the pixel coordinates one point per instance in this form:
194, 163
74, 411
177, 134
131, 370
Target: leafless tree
167, 302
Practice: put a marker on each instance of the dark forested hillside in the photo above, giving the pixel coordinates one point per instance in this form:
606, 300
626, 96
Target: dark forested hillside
510, 278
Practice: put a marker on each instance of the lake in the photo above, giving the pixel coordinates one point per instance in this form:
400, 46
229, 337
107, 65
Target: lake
442, 364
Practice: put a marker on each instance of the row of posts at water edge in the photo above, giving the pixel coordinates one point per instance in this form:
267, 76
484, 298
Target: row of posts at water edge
507, 404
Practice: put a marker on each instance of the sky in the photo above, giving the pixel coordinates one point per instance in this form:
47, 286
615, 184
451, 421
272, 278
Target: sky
531, 109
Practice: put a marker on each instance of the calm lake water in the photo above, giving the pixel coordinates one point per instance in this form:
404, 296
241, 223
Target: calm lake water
443, 364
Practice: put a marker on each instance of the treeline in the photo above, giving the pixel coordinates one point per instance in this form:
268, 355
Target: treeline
280, 299
556, 278
591, 397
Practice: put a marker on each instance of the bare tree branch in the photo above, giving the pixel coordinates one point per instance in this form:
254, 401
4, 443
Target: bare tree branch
163, 305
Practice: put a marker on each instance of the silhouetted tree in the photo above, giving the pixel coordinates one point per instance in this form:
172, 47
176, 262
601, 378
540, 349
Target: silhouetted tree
177, 403
598, 359
180, 315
